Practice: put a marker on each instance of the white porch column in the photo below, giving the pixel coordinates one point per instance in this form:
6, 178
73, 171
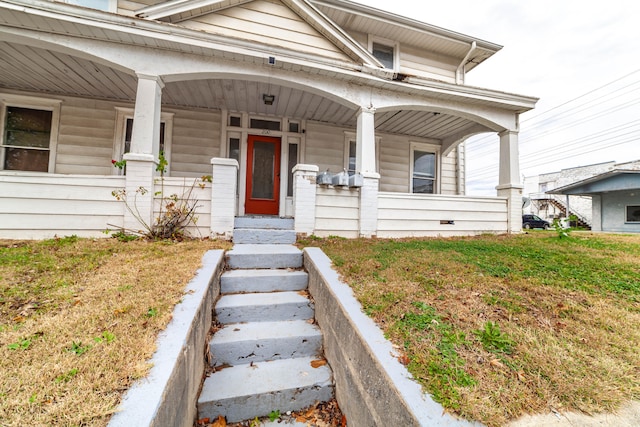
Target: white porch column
509, 185
141, 160
369, 204
366, 141
224, 178
304, 198
145, 136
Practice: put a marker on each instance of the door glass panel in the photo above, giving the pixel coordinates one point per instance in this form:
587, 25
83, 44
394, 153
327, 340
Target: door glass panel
264, 154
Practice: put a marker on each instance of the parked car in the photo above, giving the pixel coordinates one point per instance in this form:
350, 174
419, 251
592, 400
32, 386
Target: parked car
534, 221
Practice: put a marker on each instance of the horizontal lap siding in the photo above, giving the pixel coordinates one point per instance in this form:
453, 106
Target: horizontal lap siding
199, 193
337, 212
43, 206
325, 146
268, 22
85, 140
394, 163
449, 174
196, 139
411, 215
417, 62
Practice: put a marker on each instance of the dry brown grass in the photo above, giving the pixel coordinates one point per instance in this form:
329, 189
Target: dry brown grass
78, 322
569, 307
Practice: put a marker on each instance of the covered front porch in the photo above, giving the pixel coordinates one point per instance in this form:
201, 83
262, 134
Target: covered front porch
260, 124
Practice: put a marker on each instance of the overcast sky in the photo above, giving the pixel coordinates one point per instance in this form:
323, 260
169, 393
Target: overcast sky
581, 58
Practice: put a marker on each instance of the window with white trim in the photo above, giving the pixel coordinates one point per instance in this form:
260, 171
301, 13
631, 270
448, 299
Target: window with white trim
124, 131
633, 213
385, 51
424, 169
29, 133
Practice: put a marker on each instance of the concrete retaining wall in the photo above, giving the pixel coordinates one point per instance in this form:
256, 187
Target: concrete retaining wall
372, 387
167, 396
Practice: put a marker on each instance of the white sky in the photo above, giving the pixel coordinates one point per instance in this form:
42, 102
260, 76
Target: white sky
561, 51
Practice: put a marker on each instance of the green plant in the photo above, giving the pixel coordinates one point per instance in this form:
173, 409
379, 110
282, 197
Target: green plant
66, 377
152, 312
78, 349
177, 211
558, 228
23, 344
274, 415
106, 336
494, 340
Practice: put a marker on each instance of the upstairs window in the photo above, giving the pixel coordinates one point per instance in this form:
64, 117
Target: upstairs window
385, 54
106, 5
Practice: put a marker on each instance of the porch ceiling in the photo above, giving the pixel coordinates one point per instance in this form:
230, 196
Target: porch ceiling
38, 70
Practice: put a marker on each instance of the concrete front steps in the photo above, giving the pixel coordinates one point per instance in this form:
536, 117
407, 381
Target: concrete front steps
260, 230
263, 354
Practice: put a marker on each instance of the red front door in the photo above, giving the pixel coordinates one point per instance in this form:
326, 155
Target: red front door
263, 175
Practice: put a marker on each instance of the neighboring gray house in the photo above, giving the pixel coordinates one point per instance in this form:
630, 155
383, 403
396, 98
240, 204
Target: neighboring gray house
550, 205
615, 199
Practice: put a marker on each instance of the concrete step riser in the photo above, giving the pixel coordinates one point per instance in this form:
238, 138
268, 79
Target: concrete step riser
263, 307
263, 281
264, 222
247, 391
289, 311
263, 236
247, 261
236, 353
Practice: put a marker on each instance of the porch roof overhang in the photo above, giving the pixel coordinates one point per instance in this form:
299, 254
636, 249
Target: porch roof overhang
615, 180
51, 28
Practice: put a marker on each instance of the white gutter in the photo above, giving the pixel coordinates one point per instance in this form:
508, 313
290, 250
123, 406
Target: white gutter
460, 74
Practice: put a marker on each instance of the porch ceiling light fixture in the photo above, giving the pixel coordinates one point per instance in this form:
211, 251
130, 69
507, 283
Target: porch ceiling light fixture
268, 99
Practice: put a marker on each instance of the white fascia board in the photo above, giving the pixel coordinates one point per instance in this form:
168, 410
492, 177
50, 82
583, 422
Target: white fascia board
412, 24
178, 7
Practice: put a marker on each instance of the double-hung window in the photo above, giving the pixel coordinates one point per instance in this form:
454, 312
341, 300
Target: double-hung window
29, 133
424, 170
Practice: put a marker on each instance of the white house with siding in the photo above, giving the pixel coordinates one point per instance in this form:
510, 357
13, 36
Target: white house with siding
262, 95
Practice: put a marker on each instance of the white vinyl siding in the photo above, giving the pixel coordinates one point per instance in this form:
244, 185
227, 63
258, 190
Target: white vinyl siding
268, 22
416, 62
196, 139
37, 206
325, 147
403, 215
337, 212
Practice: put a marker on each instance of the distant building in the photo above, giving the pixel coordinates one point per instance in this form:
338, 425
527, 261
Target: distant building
549, 205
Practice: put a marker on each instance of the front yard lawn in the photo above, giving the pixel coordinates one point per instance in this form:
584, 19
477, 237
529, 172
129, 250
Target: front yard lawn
78, 322
498, 326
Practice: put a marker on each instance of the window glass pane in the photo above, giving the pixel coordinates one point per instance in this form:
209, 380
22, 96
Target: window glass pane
424, 172
424, 164
384, 54
293, 160
234, 121
264, 157
26, 127
351, 167
633, 213
234, 149
423, 186
294, 127
21, 159
264, 124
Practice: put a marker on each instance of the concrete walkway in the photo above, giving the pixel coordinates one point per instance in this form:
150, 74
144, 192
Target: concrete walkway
627, 416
